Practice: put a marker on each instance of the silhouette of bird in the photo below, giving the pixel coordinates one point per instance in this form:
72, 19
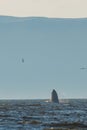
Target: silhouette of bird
83, 68
22, 60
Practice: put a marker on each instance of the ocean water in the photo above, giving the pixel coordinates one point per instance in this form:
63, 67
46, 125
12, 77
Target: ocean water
43, 115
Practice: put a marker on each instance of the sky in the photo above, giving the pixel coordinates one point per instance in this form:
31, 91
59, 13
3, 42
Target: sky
11, 62
53, 53
46, 8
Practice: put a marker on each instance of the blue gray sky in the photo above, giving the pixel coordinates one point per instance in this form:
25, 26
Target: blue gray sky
53, 51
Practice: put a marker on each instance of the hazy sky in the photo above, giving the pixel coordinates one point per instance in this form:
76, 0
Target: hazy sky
45, 68
53, 52
48, 8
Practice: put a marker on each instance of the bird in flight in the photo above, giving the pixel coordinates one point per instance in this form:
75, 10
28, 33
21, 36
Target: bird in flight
83, 68
22, 60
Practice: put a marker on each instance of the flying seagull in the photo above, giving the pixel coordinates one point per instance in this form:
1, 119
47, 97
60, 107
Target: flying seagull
83, 68
22, 60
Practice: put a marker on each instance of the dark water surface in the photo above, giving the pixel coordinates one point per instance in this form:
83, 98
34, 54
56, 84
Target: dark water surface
43, 115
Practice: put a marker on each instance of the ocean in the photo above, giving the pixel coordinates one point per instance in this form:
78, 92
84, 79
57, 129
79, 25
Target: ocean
69, 114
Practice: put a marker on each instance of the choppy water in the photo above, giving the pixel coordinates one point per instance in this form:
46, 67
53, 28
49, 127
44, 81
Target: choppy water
42, 115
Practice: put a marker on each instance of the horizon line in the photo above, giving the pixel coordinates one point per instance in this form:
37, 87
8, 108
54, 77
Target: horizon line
14, 16
70, 98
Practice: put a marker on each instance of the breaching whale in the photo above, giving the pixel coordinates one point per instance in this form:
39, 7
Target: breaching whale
54, 96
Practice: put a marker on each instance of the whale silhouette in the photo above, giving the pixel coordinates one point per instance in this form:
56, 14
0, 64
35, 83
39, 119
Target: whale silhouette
54, 96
